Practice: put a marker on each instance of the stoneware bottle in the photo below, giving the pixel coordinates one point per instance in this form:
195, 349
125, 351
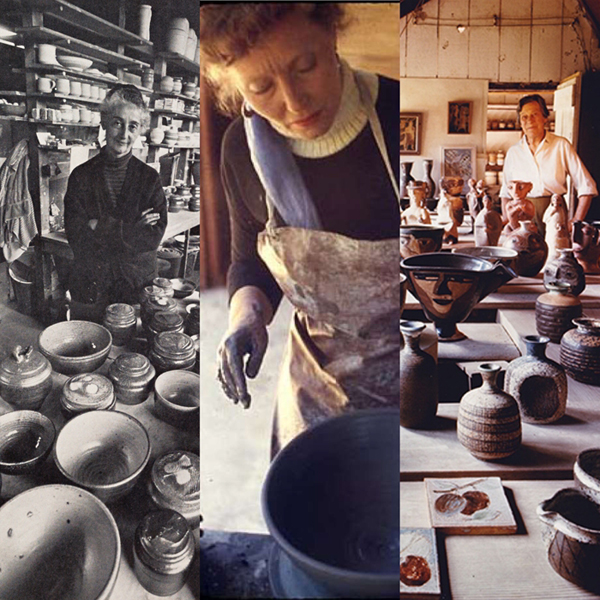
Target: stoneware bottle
566, 269
489, 423
418, 379
555, 311
538, 384
580, 351
429, 182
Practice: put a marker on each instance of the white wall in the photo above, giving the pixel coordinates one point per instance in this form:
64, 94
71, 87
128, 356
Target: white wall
430, 97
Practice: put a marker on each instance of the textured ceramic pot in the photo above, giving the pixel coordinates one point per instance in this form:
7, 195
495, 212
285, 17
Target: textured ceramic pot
489, 423
418, 380
172, 350
25, 378
571, 533
586, 473
87, 391
120, 319
530, 245
537, 383
132, 375
448, 286
566, 269
420, 239
555, 311
580, 351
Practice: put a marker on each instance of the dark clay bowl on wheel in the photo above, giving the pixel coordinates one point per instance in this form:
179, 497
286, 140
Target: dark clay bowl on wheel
74, 347
331, 500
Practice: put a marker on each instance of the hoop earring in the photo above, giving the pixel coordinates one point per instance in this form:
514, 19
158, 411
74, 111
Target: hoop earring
247, 111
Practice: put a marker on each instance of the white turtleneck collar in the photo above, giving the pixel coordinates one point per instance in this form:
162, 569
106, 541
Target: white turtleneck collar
349, 121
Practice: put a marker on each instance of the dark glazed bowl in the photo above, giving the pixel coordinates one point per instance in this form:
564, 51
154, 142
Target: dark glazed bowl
331, 498
420, 239
74, 347
26, 438
492, 253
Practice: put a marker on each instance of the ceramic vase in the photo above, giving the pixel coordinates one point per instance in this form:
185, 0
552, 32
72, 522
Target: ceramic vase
565, 269
489, 422
429, 182
580, 351
405, 178
531, 247
555, 311
538, 384
418, 379
488, 225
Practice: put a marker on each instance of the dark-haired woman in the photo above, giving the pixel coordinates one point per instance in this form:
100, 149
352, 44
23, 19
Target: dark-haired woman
115, 212
310, 171
545, 160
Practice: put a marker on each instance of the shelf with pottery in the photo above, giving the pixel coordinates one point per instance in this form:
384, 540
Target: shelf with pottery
176, 115
174, 95
475, 567
179, 61
60, 123
72, 73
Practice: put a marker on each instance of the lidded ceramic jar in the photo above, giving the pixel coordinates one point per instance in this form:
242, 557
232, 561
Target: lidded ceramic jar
177, 85
489, 423
166, 285
418, 379
120, 319
132, 375
172, 350
580, 351
175, 483
164, 321
192, 323
85, 392
163, 552
25, 378
565, 269
530, 245
537, 383
555, 310
153, 299
166, 84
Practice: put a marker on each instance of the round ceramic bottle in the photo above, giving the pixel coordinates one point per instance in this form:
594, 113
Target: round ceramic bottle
538, 384
418, 379
489, 423
580, 351
555, 311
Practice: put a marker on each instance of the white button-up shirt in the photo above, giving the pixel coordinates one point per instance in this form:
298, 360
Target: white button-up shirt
547, 168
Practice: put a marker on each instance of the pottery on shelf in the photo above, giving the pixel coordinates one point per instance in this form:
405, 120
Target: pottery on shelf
157, 135
405, 177
428, 179
537, 383
555, 311
586, 245
420, 239
565, 269
489, 422
556, 221
488, 224
571, 534
419, 381
580, 351
416, 212
531, 247
475, 197
449, 285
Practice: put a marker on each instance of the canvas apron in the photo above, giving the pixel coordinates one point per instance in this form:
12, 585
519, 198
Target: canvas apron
343, 348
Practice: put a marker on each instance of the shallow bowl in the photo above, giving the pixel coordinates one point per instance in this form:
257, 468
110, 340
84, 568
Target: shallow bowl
586, 472
177, 397
16, 110
76, 63
58, 543
492, 253
104, 452
26, 438
420, 239
75, 346
331, 498
182, 288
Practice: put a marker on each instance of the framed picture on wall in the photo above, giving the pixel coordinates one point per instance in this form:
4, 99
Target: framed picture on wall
410, 133
459, 162
459, 117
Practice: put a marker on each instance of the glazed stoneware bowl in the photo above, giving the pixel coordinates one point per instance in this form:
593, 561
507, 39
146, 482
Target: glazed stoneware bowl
104, 452
177, 397
330, 500
420, 239
182, 288
448, 286
74, 347
26, 438
492, 253
59, 543
586, 473
77, 63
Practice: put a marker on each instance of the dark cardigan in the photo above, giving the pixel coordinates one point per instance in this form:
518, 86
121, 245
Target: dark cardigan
351, 190
116, 259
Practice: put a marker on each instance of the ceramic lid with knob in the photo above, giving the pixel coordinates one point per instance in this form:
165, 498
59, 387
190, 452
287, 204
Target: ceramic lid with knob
24, 367
130, 365
120, 313
175, 484
174, 344
166, 321
87, 391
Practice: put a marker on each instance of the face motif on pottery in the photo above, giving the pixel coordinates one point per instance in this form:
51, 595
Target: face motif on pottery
452, 185
585, 237
443, 292
411, 245
519, 189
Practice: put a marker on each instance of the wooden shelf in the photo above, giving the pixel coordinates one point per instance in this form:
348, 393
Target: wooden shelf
175, 115
173, 95
179, 60
61, 123
64, 97
78, 47
174, 147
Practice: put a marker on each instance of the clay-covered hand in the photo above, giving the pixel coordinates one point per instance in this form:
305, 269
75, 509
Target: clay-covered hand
246, 337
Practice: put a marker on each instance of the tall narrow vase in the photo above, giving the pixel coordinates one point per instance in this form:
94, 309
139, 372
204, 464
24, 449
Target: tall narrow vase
428, 179
405, 178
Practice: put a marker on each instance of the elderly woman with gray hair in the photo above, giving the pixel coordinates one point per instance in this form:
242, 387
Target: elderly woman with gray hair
115, 211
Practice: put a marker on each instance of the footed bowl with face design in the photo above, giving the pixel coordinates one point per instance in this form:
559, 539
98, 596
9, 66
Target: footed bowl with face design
448, 286
420, 239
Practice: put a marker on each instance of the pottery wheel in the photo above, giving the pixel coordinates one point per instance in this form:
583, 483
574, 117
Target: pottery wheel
288, 581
